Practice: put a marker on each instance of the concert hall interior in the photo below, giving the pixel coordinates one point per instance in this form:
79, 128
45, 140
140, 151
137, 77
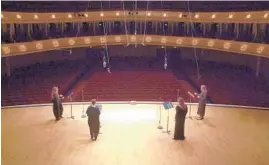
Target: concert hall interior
134, 82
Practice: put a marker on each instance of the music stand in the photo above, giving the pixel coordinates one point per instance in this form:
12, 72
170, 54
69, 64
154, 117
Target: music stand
71, 109
71, 105
82, 113
167, 106
190, 96
190, 108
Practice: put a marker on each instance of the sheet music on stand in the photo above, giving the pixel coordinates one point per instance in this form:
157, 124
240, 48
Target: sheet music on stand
168, 105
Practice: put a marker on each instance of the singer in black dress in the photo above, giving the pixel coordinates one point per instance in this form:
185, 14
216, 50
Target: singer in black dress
93, 114
57, 103
181, 111
202, 102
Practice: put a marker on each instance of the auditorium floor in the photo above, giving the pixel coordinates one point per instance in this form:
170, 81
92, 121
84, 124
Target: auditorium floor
227, 136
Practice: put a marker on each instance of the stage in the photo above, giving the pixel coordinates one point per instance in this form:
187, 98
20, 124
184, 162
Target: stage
227, 136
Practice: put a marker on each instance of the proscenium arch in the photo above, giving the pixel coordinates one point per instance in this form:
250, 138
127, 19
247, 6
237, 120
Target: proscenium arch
23, 48
121, 15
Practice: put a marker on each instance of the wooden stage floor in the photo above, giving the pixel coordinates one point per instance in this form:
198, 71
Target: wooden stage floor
227, 136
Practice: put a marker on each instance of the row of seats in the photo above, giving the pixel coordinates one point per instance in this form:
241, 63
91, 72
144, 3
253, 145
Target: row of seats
228, 84
132, 85
32, 84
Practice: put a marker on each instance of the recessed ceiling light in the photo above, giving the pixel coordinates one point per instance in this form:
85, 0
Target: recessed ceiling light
260, 49
149, 14
52, 16
18, 16
196, 16
231, 16
164, 14
248, 16
265, 15
36, 16
213, 16
69, 16
102, 14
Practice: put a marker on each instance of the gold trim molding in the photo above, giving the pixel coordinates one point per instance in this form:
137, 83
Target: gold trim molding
255, 49
120, 15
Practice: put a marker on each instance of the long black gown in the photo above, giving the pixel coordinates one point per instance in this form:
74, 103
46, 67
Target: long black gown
180, 122
202, 104
57, 107
93, 114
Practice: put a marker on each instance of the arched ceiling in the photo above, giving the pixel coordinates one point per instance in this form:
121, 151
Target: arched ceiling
255, 49
80, 6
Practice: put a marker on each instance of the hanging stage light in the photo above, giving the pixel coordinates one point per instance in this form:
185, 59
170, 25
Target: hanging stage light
108, 70
104, 62
165, 62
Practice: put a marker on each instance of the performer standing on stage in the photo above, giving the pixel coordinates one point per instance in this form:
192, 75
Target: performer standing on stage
181, 111
93, 114
57, 103
202, 102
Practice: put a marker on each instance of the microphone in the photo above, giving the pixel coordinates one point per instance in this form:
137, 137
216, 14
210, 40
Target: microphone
190, 94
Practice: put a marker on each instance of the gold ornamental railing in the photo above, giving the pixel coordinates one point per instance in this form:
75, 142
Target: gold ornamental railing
255, 49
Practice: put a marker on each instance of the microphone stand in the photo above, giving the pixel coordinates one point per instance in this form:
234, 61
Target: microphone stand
82, 114
160, 119
71, 109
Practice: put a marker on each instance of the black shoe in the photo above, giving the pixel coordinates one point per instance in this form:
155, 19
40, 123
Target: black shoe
182, 138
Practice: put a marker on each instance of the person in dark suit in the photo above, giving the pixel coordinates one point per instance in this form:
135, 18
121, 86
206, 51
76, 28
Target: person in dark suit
181, 111
93, 114
57, 103
202, 103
